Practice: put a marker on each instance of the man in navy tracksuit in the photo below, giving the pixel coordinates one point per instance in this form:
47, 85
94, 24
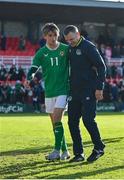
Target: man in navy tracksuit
87, 76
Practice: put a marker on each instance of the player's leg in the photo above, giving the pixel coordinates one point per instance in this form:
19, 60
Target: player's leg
59, 132
60, 106
50, 104
64, 145
56, 108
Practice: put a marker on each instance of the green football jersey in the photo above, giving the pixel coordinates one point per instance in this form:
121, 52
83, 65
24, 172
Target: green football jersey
55, 69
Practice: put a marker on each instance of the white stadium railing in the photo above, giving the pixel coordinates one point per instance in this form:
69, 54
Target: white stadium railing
24, 61
115, 61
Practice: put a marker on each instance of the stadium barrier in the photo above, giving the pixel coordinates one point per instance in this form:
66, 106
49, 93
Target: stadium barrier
26, 61
115, 61
105, 107
28, 108
23, 61
16, 108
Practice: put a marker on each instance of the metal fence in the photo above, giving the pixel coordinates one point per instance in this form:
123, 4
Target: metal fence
23, 61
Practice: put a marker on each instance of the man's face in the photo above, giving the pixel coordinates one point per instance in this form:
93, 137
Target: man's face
52, 38
72, 38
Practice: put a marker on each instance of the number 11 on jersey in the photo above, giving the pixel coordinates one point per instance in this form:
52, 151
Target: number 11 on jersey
54, 61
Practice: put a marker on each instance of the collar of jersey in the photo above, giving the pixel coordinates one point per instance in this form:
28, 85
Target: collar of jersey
80, 40
54, 48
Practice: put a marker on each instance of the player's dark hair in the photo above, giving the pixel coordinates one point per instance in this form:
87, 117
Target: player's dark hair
70, 28
49, 27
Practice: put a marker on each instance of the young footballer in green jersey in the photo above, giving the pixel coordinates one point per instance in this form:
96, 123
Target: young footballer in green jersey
53, 59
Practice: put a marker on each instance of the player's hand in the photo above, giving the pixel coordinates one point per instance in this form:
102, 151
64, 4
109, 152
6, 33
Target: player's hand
33, 75
99, 94
26, 83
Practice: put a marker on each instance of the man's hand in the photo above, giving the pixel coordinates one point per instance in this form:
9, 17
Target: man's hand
99, 94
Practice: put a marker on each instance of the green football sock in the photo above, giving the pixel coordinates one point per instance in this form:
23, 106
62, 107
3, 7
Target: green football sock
64, 145
58, 132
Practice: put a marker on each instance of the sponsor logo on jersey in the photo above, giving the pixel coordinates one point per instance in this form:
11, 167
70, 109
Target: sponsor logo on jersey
78, 52
61, 53
45, 55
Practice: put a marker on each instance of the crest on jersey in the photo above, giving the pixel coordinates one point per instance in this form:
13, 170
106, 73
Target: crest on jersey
78, 52
61, 53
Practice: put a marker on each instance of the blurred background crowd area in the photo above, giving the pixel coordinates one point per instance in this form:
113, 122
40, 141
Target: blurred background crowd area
108, 46
15, 89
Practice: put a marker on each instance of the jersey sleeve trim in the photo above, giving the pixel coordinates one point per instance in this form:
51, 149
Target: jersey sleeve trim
34, 66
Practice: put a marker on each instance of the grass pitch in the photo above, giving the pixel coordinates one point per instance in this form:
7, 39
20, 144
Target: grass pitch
26, 139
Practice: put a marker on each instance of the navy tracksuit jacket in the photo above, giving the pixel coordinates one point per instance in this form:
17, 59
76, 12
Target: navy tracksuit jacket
87, 73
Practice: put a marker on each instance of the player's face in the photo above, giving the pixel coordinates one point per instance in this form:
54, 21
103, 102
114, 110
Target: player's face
52, 38
72, 38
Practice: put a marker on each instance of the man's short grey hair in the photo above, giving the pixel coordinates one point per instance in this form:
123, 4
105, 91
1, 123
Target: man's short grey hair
70, 28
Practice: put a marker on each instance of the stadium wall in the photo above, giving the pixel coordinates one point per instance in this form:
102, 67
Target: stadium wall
25, 17
15, 29
27, 108
120, 32
32, 30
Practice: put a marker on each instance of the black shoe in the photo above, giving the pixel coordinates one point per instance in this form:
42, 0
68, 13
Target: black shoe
96, 154
77, 158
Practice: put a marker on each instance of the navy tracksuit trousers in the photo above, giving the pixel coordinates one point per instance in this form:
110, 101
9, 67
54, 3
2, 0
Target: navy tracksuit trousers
84, 107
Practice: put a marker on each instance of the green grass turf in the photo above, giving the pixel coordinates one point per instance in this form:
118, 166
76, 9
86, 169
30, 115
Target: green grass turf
26, 138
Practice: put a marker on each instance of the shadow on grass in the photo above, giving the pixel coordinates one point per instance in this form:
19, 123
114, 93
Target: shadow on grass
22, 114
8, 171
33, 150
45, 114
34, 169
84, 174
46, 149
110, 113
106, 141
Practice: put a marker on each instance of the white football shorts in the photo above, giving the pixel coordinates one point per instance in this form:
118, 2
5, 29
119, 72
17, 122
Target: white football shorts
55, 102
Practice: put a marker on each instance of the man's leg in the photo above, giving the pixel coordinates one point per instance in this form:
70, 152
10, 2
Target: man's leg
89, 113
74, 114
